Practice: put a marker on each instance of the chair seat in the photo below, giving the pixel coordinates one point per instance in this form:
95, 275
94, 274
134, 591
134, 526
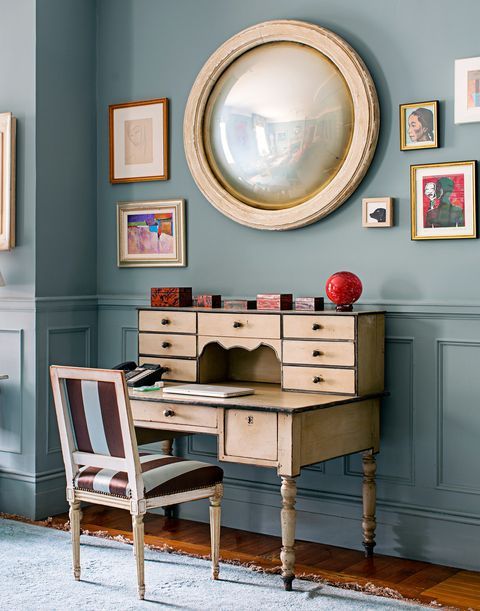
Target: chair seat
162, 475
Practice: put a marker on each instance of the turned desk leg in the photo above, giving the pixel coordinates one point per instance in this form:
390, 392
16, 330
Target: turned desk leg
167, 446
288, 518
369, 501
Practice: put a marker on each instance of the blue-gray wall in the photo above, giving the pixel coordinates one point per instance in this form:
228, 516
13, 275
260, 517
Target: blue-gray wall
429, 483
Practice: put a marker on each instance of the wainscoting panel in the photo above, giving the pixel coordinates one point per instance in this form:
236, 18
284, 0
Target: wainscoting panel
65, 346
458, 423
11, 358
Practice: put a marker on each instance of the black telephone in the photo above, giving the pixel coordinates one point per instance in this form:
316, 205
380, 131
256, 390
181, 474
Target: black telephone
145, 375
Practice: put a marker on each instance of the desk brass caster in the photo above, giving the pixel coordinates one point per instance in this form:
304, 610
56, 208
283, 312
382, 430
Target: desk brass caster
369, 549
287, 583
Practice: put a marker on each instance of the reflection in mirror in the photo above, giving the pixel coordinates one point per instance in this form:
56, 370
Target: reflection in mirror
278, 125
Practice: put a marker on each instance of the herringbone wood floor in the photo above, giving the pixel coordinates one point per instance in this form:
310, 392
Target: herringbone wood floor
416, 580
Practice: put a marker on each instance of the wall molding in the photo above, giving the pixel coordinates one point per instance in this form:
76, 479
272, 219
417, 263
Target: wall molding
441, 344
395, 479
32, 478
20, 333
51, 331
125, 332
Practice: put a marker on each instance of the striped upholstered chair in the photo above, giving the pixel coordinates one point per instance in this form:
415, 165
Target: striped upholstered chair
103, 465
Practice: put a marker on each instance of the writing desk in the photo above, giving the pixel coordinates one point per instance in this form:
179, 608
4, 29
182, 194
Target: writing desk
318, 379
278, 429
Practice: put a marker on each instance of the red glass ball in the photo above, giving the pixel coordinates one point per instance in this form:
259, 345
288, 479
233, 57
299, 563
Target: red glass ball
344, 288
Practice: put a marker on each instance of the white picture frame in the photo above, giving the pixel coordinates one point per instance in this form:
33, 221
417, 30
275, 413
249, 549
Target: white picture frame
7, 180
467, 90
151, 233
377, 212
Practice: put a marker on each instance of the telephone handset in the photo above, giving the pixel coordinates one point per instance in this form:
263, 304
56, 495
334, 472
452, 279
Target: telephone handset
145, 375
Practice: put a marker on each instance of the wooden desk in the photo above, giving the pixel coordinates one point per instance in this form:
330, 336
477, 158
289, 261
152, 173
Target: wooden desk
318, 378
278, 429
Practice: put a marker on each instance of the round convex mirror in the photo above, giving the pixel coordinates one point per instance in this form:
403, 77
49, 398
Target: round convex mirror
281, 125
278, 125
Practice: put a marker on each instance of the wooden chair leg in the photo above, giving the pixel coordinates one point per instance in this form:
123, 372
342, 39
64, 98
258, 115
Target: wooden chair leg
75, 517
138, 545
215, 514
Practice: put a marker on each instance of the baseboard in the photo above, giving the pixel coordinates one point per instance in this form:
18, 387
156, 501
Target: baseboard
442, 541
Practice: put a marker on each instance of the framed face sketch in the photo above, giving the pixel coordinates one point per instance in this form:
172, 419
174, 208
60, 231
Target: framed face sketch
377, 212
443, 201
139, 141
467, 90
151, 234
419, 126
7, 180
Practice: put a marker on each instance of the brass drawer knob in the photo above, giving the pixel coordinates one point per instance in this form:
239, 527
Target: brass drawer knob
237, 325
165, 321
169, 413
316, 379
316, 326
317, 353
166, 344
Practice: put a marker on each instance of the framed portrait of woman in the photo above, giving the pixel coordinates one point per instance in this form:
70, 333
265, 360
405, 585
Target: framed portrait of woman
419, 126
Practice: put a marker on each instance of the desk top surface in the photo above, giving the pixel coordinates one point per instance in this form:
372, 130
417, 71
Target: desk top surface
328, 312
267, 397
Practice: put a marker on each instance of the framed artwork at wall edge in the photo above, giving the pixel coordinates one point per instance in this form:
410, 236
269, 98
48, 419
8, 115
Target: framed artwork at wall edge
419, 125
443, 200
467, 90
377, 212
151, 234
139, 141
8, 125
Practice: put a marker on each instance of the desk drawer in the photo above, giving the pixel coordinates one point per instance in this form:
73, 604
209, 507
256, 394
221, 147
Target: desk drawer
239, 325
162, 344
180, 370
319, 353
250, 435
319, 379
167, 321
174, 413
319, 327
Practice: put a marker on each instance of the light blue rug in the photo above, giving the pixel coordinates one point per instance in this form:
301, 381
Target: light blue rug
35, 573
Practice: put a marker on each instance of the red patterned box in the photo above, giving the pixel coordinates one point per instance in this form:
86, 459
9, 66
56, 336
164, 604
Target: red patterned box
309, 303
240, 304
208, 301
275, 301
176, 297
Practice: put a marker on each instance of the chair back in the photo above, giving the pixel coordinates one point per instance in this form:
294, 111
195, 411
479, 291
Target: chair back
95, 423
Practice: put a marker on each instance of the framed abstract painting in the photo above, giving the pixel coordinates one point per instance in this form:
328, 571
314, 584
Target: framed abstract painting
151, 234
443, 203
467, 90
7, 180
419, 126
139, 141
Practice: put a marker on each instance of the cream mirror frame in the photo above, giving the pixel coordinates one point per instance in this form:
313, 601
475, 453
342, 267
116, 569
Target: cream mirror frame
359, 145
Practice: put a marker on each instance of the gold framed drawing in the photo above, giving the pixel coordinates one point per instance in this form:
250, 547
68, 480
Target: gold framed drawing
7, 180
139, 141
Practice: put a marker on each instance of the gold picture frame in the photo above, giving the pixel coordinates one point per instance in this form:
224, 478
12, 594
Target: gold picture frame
377, 212
138, 141
419, 126
151, 233
443, 200
8, 125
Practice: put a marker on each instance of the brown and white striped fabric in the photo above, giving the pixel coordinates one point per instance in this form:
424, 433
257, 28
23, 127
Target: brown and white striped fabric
162, 475
94, 415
